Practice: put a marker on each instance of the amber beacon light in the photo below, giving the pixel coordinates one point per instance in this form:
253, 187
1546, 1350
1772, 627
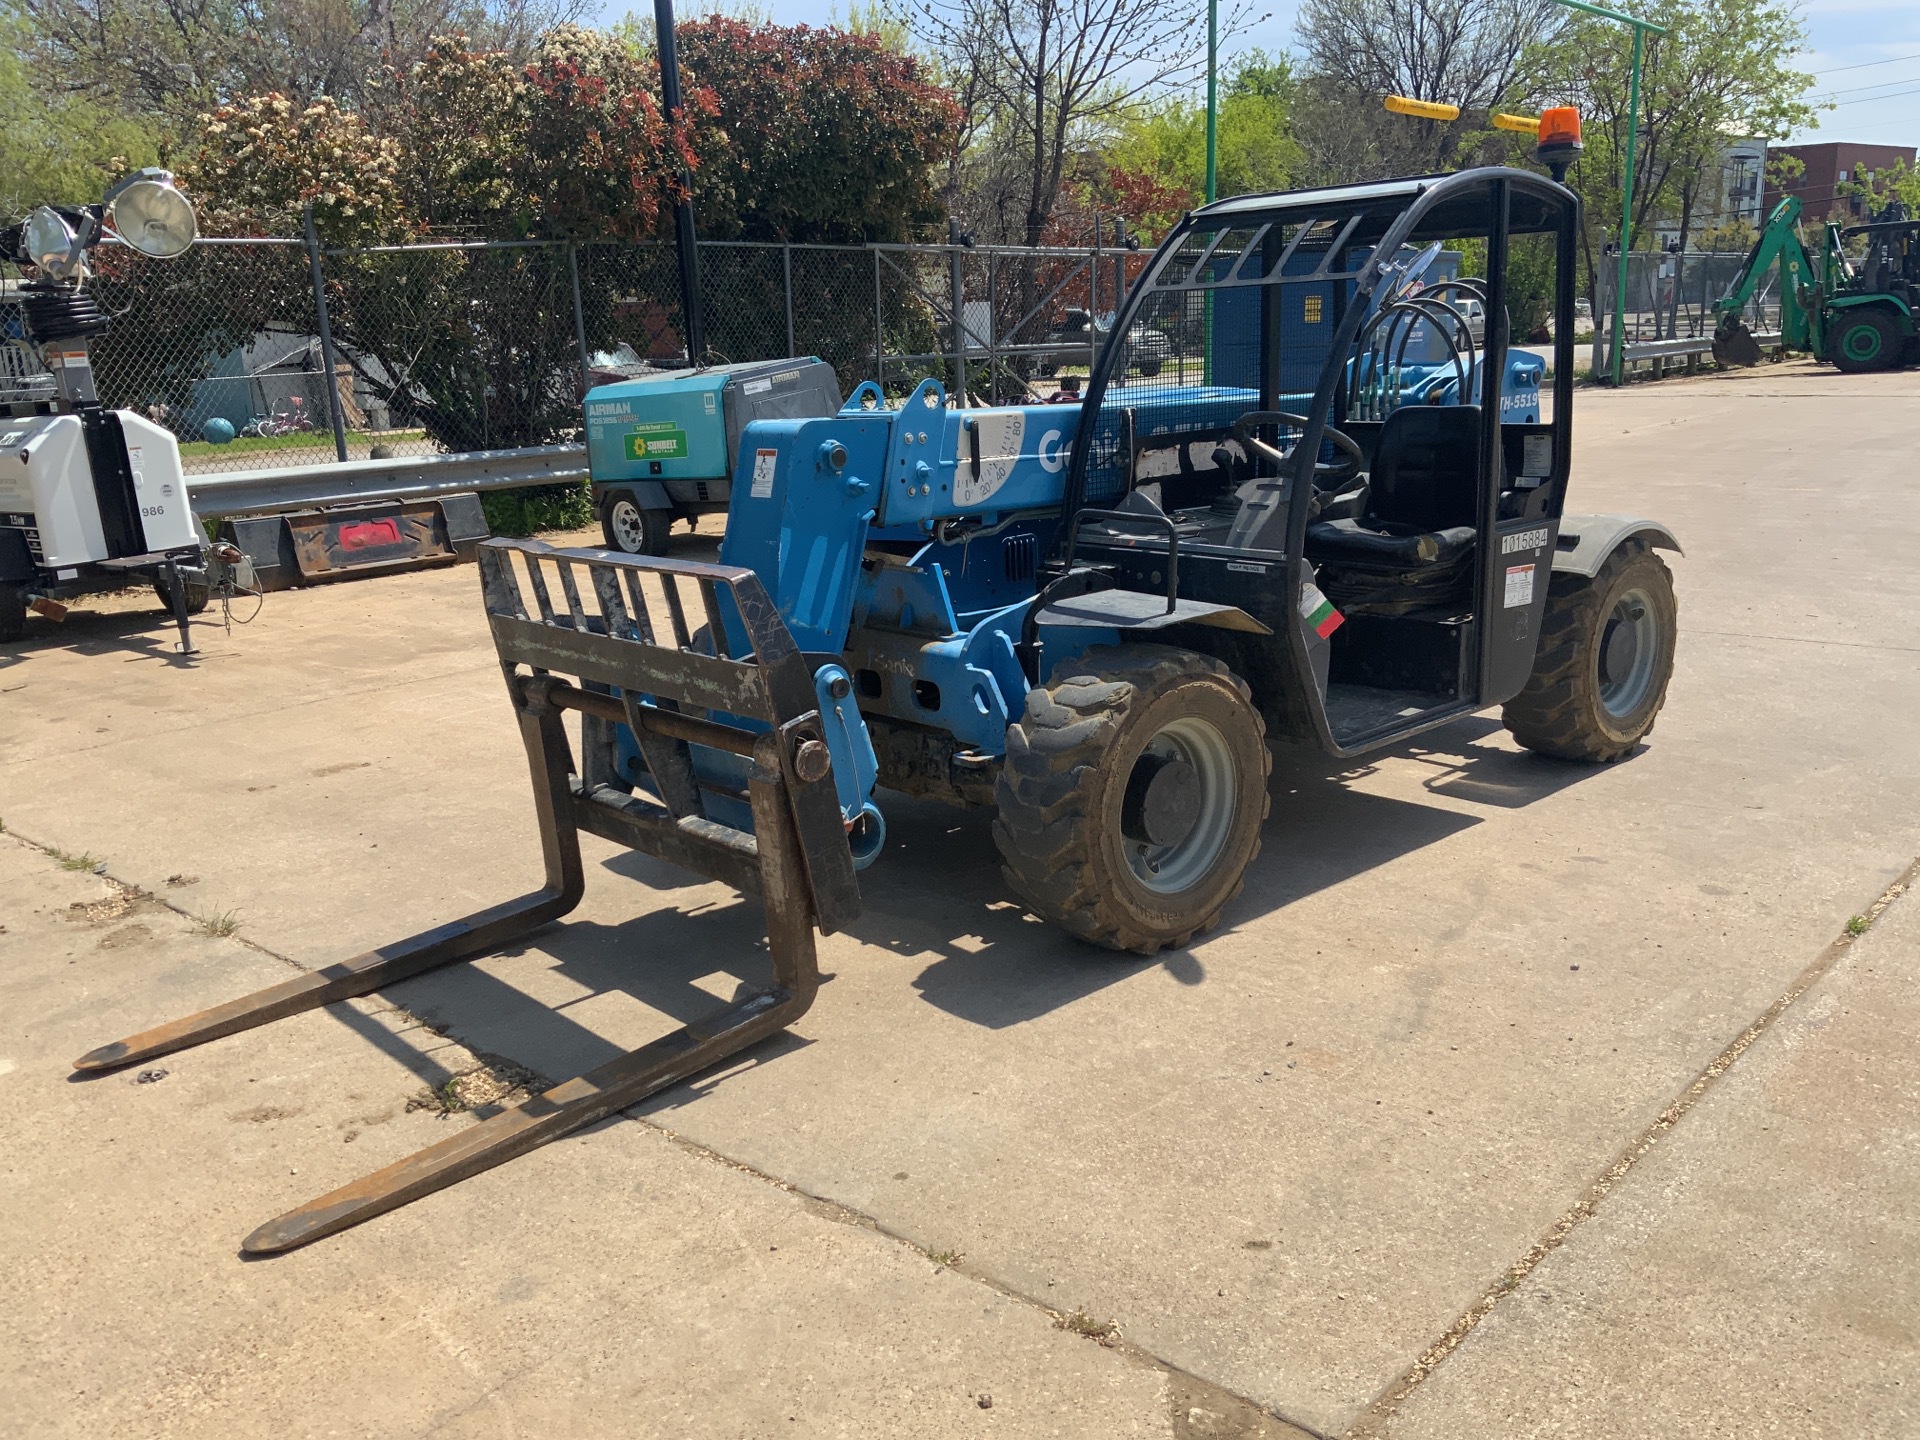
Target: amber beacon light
1559, 144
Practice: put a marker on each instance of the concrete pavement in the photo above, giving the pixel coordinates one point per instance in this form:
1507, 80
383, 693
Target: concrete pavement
1287, 1161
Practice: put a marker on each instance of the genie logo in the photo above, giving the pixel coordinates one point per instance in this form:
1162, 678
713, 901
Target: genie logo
1051, 452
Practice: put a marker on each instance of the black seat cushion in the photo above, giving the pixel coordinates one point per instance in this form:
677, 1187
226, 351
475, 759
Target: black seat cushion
1411, 547
1387, 545
1426, 468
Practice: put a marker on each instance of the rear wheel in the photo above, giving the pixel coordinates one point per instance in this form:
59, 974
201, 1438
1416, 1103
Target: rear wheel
13, 613
632, 529
1868, 340
1606, 654
1132, 797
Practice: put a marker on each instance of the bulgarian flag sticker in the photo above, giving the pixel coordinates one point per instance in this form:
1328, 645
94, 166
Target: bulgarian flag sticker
1318, 611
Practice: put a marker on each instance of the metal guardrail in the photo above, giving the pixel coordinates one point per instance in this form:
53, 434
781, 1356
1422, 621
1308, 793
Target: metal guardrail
410, 477
1666, 349
1679, 349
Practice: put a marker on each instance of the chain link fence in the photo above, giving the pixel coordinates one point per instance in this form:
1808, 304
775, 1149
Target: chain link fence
456, 347
1672, 297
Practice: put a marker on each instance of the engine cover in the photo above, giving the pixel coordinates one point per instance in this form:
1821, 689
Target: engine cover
97, 488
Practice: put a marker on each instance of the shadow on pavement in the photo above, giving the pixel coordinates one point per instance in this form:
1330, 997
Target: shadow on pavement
937, 896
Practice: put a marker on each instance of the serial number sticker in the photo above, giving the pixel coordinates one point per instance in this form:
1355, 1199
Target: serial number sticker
1249, 567
1523, 540
1519, 586
756, 387
763, 463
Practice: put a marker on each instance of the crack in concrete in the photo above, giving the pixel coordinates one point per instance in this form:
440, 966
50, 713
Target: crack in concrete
1375, 1422
1820, 640
1192, 1398
1199, 1408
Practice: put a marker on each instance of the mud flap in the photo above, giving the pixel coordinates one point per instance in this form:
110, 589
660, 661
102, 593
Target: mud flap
590, 643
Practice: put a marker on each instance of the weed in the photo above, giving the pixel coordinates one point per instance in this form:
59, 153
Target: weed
1858, 925
948, 1258
221, 925
493, 1083
71, 861
1081, 1323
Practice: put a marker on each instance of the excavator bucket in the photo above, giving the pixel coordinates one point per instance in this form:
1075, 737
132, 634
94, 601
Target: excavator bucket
735, 687
1733, 343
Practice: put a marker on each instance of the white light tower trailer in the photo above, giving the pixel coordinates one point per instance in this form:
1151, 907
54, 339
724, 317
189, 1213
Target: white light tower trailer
90, 498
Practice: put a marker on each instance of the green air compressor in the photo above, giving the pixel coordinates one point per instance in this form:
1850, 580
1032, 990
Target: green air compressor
663, 447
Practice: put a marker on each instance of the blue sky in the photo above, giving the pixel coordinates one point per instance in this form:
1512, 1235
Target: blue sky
1865, 55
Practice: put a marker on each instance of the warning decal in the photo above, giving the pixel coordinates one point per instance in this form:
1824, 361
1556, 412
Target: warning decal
1519, 586
763, 463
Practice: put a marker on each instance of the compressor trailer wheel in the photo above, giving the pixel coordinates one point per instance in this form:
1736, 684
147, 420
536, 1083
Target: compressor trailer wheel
1131, 801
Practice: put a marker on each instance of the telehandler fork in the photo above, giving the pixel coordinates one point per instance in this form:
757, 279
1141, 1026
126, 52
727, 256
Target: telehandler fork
761, 707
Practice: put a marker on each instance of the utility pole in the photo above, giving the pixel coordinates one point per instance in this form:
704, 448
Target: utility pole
684, 241
1640, 31
1213, 98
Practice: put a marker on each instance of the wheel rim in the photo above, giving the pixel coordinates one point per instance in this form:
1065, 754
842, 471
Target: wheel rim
1190, 752
628, 531
1861, 342
1629, 654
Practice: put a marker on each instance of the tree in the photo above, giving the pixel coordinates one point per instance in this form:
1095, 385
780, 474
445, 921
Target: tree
1722, 71
59, 147
1892, 194
174, 59
1470, 53
832, 136
1047, 77
1167, 140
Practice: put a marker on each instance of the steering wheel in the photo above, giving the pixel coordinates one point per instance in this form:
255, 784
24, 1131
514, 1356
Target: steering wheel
1326, 473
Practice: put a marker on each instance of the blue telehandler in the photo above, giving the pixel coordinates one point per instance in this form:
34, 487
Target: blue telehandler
1093, 619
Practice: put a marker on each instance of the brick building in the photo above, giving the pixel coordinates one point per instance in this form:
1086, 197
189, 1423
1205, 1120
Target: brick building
1827, 165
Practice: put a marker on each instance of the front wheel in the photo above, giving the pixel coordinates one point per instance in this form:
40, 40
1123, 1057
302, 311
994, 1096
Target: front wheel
1606, 654
1867, 340
1132, 797
199, 593
632, 529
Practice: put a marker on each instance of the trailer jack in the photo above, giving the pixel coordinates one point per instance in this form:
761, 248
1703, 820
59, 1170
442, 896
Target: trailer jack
795, 856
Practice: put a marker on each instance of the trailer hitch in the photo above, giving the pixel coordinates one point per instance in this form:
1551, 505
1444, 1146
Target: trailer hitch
739, 687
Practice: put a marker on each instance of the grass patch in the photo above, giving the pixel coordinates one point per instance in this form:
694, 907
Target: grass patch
538, 508
1858, 925
948, 1258
221, 925
71, 860
358, 443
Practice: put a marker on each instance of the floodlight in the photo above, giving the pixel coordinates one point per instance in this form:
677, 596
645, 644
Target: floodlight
47, 239
151, 216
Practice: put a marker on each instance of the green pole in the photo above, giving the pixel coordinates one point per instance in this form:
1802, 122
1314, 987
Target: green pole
1640, 29
1618, 357
1213, 97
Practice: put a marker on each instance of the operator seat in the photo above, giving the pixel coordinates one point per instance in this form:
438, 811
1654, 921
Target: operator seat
1412, 545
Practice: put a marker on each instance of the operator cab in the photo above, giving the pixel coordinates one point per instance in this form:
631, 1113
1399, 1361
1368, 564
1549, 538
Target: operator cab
1344, 446
1889, 259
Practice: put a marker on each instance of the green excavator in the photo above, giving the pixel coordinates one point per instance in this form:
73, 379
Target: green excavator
1854, 310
